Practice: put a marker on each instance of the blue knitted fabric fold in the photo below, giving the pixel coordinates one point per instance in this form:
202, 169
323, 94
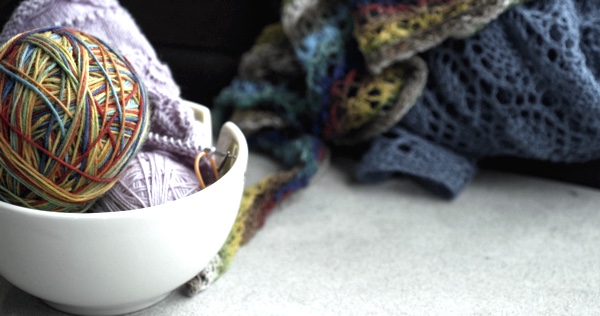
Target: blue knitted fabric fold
426, 162
525, 86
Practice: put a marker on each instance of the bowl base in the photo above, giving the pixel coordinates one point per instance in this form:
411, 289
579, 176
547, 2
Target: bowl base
107, 310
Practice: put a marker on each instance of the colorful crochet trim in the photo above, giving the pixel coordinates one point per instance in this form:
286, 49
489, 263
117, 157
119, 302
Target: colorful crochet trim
390, 31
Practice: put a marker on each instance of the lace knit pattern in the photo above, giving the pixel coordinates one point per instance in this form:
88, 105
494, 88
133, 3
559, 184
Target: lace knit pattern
525, 86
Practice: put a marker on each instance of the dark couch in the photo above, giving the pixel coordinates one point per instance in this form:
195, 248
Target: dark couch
202, 41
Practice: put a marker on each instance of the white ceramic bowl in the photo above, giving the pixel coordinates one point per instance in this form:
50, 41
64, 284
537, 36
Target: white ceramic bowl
120, 262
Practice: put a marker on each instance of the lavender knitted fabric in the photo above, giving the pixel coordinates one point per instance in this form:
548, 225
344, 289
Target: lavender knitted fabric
525, 86
107, 20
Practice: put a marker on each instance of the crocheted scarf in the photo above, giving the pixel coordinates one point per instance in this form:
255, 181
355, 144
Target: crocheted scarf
430, 87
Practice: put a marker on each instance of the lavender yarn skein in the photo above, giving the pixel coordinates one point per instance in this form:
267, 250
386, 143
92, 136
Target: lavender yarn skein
150, 179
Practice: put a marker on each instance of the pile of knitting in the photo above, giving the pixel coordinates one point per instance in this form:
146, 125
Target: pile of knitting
429, 87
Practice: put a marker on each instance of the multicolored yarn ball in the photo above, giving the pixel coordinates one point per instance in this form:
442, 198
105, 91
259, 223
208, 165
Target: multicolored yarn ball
150, 179
72, 114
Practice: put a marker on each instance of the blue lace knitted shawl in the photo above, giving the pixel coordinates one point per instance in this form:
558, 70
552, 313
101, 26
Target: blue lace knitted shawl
525, 86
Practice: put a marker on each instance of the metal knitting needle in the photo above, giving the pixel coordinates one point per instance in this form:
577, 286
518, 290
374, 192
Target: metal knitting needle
228, 155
